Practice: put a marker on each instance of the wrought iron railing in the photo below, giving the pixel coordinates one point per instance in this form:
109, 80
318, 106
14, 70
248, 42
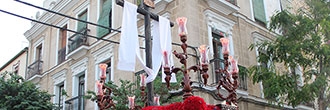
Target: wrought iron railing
75, 103
34, 69
234, 2
77, 40
61, 55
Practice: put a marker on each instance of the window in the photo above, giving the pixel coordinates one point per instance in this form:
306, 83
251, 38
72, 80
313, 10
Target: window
258, 38
243, 72
298, 71
60, 91
77, 40
39, 52
16, 67
81, 92
81, 27
216, 35
62, 45
259, 12
104, 17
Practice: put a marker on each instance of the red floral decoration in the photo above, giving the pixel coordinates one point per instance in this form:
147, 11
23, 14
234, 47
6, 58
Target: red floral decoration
191, 103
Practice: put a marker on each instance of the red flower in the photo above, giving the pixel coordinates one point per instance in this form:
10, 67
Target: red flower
191, 103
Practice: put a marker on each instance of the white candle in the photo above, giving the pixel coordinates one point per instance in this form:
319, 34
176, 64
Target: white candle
99, 88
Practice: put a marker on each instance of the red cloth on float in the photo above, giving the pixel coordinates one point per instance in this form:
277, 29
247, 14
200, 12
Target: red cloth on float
191, 103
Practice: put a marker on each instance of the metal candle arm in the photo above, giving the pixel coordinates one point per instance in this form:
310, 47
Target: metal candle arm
105, 101
227, 83
183, 60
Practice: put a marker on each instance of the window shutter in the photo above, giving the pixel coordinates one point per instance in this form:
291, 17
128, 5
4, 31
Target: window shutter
82, 25
259, 10
104, 18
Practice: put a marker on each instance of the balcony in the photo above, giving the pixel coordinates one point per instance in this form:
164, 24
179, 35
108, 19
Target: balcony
232, 2
225, 6
75, 103
78, 44
34, 69
61, 55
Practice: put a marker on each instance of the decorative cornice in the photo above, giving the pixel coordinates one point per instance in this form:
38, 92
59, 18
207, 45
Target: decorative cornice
81, 7
79, 66
59, 76
62, 7
160, 5
219, 22
222, 6
103, 53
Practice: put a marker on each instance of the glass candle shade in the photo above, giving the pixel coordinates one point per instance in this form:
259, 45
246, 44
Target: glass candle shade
203, 50
103, 68
131, 103
225, 45
182, 21
156, 100
143, 80
234, 64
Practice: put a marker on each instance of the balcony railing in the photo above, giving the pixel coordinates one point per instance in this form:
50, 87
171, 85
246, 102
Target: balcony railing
61, 55
232, 2
34, 69
77, 40
75, 103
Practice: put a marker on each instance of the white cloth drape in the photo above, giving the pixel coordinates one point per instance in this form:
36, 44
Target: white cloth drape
163, 39
129, 43
129, 38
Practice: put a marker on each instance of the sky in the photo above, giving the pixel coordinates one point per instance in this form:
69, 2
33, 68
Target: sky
12, 28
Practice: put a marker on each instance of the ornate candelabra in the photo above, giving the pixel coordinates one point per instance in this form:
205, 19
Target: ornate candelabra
203, 68
227, 79
228, 76
104, 100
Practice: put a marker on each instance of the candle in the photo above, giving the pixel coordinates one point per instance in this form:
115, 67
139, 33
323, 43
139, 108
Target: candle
143, 80
99, 88
166, 59
103, 68
234, 65
225, 45
181, 21
203, 51
131, 102
156, 100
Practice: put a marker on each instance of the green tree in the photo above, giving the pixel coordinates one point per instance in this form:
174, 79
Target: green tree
18, 94
304, 42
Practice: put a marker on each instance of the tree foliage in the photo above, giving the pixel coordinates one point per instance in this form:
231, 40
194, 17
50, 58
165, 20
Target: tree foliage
304, 42
18, 94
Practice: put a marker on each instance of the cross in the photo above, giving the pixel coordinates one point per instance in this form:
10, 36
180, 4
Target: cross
144, 10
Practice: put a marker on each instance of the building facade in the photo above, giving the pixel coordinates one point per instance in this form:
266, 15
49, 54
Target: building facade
60, 60
18, 64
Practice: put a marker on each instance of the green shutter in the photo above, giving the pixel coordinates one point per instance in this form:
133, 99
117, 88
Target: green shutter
82, 25
104, 18
259, 10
